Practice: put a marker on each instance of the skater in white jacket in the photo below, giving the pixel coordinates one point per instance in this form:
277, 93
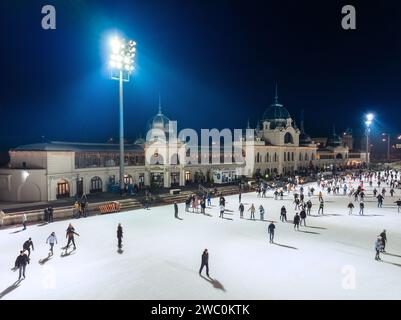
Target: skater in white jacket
52, 239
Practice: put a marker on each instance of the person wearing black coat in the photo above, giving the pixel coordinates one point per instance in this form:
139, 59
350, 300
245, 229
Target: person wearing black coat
302, 215
241, 210
270, 230
398, 203
27, 246
21, 263
70, 232
283, 214
384, 240
205, 262
175, 210
120, 235
296, 221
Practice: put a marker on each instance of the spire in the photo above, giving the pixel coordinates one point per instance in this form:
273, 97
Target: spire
302, 121
334, 129
276, 96
160, 105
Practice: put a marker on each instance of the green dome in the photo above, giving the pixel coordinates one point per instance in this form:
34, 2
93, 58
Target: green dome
276, 112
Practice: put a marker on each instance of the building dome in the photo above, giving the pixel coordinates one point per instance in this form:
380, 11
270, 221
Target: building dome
159, 121
276, 111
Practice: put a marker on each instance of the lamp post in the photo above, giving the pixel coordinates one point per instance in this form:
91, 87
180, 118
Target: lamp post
368, 122
121, 66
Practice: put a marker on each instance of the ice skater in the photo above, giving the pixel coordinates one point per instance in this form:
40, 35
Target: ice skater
302, 215
261, 212
361, 208
321, 207
252, 209
51, 240
296, 221
24, 220
241, 210
176, 210
221, 211
283, 214
350, 207
119, 235
398, 203
378, 245
21, 263
70, 232
270, 230
384, 241
27, 246
205, 262
308, 207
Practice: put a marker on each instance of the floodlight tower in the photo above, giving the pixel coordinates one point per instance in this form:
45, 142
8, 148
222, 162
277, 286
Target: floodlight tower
368, 122
121, 66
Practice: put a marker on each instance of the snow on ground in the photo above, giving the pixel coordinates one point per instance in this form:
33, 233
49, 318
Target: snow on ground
333, 258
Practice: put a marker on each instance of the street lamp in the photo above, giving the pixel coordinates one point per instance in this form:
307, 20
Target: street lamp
368, 122
121, 66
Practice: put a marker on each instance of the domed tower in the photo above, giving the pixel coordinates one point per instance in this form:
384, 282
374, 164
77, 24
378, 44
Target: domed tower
159, 122
277, 125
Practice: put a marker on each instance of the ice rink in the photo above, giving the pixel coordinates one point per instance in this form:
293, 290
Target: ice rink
332, 258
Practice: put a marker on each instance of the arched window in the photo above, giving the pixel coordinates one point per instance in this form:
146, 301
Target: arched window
267, 157
275, 157
300, 156
339, 156
63, 189
285, 156
306, 157
292, 156
288, 138
288, 156
96, 185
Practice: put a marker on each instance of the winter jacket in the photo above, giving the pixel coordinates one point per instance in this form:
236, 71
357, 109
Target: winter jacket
205, 258
70, 232
378, 245
241, 207
271, 228
119, 232
27, 245
384, 237
22, 260
296, 219
175, 208
302, 214
51, 239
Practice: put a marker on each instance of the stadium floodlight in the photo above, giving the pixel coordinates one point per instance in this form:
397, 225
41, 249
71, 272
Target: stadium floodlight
121, 64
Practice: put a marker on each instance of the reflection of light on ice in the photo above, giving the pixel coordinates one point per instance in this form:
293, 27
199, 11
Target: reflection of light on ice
333, 260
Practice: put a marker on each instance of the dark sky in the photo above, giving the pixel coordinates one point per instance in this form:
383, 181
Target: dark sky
214, 63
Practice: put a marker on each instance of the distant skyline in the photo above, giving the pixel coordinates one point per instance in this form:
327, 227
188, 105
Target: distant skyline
215, 65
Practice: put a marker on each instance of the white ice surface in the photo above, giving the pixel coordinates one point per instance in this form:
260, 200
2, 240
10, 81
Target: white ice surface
162, 255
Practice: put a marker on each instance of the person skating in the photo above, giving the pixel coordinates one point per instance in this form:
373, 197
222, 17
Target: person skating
270, 230
221, 211
308, 207
205, 262
176, 210
392, 192
119, 235
321, 207
241, 210
350, 207
51, 240
320, 196
209, 199
252, 209
384, 241
70, 232
283, 214
239, 197
24, 220
378, 245
361, 208
380, 201
27, 246
296, 221
21, 263
398, 203
302, 215
261, 212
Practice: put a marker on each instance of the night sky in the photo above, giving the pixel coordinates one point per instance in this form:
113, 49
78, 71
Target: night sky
215, 64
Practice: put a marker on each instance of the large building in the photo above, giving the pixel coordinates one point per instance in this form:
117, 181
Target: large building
47, 171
